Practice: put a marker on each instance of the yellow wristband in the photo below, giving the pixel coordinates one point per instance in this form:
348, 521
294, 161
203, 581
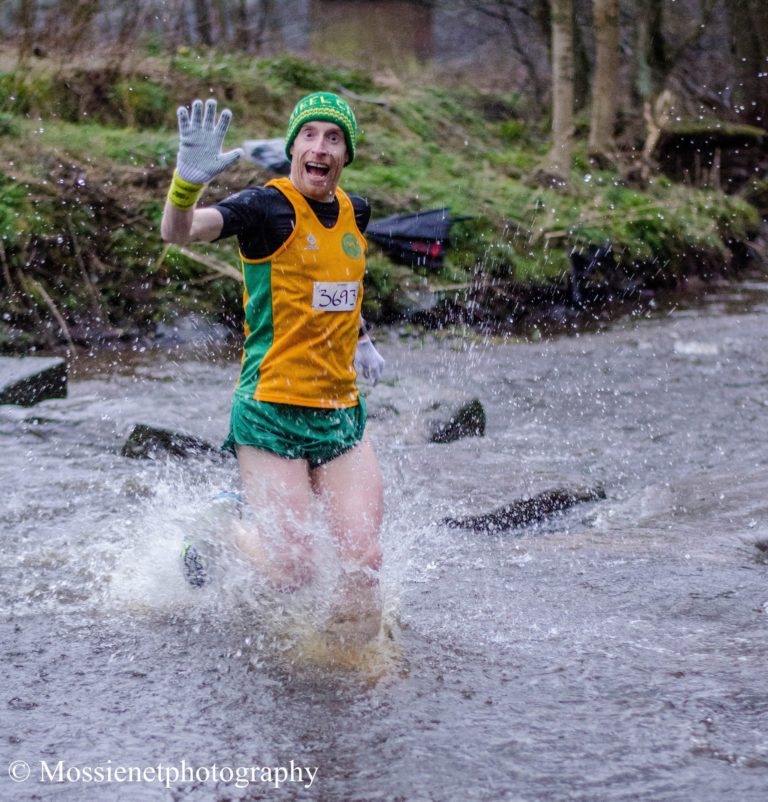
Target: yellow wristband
183, 194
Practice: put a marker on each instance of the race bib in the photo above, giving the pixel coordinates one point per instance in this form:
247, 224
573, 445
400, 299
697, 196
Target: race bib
335, 296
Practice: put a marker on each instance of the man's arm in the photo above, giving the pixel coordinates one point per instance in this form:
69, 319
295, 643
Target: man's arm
199, 160
363, 330
181, 226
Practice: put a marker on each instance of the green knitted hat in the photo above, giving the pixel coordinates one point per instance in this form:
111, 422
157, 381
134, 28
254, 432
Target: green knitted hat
329, 108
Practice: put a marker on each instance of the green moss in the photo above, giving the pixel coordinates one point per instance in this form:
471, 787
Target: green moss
534, 266
26, 94
15, 211
512, 131
720, 128
757, 193
95, 143
143, 104
292, 72
381, 286
203, 65
421, 147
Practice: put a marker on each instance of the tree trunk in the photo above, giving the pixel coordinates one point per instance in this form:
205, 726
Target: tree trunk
605, 82
242, 27
650, 52
510, 15
558, 163
81, 14
222, 35
26, 26
203, 20
176, 26
749, 37
582, 67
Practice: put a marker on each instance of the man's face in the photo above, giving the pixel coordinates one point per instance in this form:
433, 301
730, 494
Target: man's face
318, 155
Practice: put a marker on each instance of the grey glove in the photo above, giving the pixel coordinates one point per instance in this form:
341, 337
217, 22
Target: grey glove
200, 158
369, 363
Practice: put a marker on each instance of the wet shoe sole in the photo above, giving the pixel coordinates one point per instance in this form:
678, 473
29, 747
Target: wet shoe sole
194, 568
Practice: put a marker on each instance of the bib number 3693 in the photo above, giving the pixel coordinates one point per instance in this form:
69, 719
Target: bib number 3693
335, 296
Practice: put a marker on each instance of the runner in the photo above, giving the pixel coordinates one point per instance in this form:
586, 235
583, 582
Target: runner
297, 421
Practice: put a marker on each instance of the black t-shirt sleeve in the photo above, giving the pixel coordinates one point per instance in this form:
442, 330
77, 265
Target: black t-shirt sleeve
242, 211
262, 218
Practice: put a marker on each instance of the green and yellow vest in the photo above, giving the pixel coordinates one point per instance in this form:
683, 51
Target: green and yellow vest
302, 311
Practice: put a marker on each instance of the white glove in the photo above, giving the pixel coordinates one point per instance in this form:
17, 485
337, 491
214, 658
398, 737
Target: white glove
369, 363
200, 158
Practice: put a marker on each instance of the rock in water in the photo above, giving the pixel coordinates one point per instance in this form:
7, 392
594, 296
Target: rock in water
526, 511
467, 421
27, 380
150, 442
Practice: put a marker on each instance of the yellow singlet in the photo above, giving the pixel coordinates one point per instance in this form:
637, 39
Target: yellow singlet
302, 311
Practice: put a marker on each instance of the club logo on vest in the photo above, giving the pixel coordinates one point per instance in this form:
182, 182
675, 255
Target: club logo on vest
351, 246
312, 243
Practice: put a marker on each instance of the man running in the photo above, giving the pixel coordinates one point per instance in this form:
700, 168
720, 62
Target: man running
297, 421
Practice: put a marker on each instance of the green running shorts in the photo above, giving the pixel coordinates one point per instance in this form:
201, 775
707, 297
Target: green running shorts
314, 434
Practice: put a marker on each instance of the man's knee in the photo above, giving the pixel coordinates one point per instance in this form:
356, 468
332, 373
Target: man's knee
361, 549
373, 559
286, 561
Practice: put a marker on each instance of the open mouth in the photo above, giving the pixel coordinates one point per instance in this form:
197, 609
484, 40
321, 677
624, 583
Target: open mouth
317, 169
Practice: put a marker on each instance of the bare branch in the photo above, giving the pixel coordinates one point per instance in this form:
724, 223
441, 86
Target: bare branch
222, 268
38, 289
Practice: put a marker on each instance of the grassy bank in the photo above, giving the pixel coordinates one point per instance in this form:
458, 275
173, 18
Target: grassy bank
87, 152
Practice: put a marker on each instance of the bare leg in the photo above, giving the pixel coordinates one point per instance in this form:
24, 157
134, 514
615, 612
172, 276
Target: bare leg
352, 489
280, 489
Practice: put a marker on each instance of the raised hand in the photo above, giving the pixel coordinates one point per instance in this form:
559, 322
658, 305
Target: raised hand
200, 139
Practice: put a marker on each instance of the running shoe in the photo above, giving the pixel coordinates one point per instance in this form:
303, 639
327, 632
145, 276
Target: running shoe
194, 563
194, 567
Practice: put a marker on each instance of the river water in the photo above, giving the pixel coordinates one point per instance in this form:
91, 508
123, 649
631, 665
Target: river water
618, 652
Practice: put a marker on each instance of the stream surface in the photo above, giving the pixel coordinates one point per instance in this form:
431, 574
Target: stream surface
617, 652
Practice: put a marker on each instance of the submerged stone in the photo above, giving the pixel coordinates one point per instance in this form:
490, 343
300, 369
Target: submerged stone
30, 379
526, 511
467, 421
761, 546
150, 442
